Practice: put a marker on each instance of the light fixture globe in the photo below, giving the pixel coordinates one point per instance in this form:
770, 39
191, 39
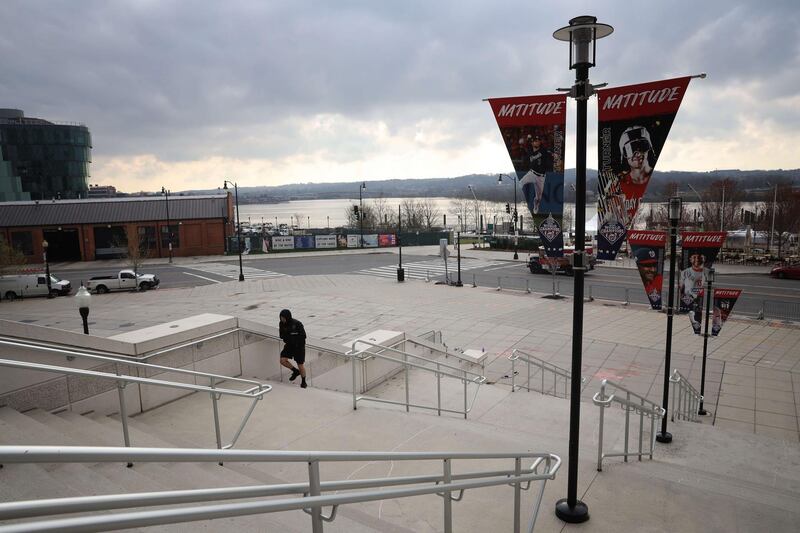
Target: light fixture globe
82, 298
582, 33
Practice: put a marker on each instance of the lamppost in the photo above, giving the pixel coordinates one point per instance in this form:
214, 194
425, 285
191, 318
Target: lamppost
329, 222
83, 299
361, 189
476, 208
700, 217
772, 227
238, 225
581, 34
514, 217
674, 217
165, 192
45, 244
709, 293
401, 273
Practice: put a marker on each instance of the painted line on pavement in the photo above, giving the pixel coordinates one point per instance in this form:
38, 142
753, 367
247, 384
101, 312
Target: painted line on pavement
502, 267
202, 277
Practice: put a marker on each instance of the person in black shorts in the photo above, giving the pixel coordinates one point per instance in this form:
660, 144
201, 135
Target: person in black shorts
293, 335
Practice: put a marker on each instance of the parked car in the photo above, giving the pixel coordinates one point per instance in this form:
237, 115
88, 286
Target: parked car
25, 285
125, 280
786, 271
563, 264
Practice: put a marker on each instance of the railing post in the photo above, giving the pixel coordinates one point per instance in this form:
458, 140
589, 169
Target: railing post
216, 416
473, 281
528, 286
627, 421
405, 360
448, 502
600, 431
353, 359
517, 493
439, 389
591, 298
314, 490
513, 372
761, 311
652, 432
465, 395
674, 386
627, 297
541, 371
499, 283
641, 427
123, 412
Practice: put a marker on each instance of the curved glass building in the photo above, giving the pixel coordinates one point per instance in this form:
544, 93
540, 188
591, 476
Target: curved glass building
50, 160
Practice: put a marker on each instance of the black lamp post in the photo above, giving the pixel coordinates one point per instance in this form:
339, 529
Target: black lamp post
582, 33
514, 181
458, 247
361, 189
709, 291
674, 216
45, 245
165, 192
476, 209
238, 226
401, 273
83, 299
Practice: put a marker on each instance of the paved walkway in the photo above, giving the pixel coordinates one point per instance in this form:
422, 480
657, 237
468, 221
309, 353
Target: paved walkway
753, 374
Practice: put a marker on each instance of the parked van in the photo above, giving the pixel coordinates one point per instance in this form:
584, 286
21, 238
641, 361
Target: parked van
25, 285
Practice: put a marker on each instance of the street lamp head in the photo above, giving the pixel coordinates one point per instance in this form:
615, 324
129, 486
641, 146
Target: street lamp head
363, 185
225, 185
582, 34
710, 275
83, 298
499, 179
674, 209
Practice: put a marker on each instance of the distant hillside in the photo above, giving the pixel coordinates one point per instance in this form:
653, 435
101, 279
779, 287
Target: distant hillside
485, 186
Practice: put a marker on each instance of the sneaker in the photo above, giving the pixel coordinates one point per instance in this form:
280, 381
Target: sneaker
303, 384
294, 375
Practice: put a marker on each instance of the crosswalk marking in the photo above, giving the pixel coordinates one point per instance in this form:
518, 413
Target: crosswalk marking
433, 268
231, 270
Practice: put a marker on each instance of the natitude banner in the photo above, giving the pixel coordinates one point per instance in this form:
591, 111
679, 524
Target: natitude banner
648, 249
724, 300
533, 131
699, 251
634, 122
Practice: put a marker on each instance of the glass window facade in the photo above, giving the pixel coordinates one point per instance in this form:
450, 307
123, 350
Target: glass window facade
51, 160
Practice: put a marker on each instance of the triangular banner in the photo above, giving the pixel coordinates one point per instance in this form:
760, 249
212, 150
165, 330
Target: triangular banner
648, 249
724, 300
698, 252
634, 122
533, 131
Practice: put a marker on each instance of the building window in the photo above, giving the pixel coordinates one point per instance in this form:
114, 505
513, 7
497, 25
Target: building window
165, 237
147, 239
22, 241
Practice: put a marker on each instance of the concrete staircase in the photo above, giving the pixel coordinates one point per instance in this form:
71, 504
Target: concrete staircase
707, 480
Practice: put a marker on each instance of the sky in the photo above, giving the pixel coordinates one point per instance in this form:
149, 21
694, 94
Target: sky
185, 94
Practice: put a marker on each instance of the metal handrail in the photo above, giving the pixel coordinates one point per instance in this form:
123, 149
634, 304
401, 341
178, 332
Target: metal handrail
464, 376
685, 406
544, 467
117, 358
446, 352
543, 365
122, 380
435, 333
631, 402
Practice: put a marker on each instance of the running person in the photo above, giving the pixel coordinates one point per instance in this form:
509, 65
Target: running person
293, 334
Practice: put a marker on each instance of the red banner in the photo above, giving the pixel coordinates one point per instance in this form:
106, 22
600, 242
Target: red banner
648, 249
724, 300
634, 122
533, 132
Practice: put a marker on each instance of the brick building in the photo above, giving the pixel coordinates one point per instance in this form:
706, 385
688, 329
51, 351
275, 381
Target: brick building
85, 230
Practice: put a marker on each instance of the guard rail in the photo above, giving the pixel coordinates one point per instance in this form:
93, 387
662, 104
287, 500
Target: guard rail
685, 398
543, 366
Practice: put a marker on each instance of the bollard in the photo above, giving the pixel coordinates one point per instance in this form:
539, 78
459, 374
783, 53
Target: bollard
473, 281
499, 285
761, 311
627, 297
528, 286
591, 298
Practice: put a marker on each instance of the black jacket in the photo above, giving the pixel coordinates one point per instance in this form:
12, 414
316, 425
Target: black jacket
294, 335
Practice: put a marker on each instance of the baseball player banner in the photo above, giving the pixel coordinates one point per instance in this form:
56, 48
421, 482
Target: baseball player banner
699, 251
648, 249
634, 122
533, 131
724, 300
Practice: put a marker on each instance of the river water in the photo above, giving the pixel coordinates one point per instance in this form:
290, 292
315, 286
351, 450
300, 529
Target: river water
333, 213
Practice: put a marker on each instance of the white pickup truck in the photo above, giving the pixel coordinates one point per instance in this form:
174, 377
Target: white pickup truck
126, 280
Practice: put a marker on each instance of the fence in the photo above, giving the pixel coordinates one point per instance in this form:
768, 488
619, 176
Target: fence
543, 468
685, 398
773, 309
631, 402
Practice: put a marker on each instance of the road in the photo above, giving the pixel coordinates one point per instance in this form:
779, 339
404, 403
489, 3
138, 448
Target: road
603, 283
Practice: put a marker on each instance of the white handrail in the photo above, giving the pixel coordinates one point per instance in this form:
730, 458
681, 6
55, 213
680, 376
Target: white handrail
631, 402
544, 467
543, 365
122, 380
685, 406
364, 355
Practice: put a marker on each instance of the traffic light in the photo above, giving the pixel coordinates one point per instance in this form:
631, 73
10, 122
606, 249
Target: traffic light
508, 208
515, 215
355, 211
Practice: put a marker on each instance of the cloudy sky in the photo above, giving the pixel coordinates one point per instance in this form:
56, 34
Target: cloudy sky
185, 94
